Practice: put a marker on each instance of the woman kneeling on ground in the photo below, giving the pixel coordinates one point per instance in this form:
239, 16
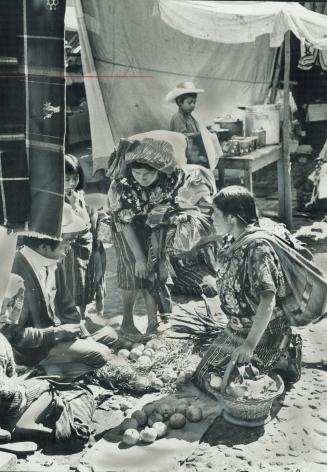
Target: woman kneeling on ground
36, 408
252, 290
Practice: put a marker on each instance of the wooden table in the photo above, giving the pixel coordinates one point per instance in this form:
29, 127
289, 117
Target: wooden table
252, 162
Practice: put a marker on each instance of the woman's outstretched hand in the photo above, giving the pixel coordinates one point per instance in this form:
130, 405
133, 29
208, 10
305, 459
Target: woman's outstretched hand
242, 354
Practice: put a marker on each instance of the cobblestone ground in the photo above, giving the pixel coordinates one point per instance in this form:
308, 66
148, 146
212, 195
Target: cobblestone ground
295, 440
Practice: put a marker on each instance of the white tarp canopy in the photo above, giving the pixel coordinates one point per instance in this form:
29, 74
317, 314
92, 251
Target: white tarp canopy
243, 22
133, 53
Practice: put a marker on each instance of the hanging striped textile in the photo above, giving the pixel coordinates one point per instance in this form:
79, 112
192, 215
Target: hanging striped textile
32, 128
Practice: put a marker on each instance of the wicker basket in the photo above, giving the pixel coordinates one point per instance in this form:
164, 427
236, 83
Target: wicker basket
249, 409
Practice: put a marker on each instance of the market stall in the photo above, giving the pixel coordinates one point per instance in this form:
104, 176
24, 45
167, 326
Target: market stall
230, 49
252, 162
239, 22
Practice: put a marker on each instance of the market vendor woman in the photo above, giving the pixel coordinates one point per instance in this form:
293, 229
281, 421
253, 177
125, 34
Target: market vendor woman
141, 198
251, 287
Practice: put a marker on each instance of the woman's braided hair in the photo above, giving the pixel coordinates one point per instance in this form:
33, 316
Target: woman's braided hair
239, 202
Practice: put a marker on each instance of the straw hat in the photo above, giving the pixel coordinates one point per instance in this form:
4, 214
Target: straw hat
181, 89
161, 149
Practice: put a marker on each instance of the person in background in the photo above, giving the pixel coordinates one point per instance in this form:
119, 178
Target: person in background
35, 408
50, 332
318, 181
185, 96
84, 262
195, 272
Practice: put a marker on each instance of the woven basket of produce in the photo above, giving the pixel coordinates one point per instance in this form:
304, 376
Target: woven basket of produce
252, 399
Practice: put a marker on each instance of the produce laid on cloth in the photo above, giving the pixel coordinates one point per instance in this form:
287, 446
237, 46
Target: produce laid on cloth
155, 420
161, 365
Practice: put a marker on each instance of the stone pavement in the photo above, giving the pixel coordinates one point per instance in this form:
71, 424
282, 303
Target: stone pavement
295, 440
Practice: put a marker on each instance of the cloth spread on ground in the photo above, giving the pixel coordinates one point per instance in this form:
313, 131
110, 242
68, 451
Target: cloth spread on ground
31, 167
138, 72
73, 410
176, 446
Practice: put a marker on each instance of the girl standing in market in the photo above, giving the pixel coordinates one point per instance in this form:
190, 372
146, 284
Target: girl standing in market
81, 275
254, 294
146, 177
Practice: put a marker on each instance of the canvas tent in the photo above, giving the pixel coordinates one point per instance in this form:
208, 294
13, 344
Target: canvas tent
138, 59
243, 22
135, 52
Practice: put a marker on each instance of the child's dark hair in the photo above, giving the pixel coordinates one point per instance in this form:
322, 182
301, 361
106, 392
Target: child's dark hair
237, 201
72, 166
34, 243
183, 97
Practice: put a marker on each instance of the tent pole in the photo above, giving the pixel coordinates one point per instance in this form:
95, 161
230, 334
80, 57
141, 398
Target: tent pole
286, 135
276, 75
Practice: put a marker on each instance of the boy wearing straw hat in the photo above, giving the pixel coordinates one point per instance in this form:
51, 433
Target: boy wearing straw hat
184, 95
203, 147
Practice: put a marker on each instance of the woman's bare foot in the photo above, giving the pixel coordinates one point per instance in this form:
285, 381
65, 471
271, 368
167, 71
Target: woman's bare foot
130, 329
